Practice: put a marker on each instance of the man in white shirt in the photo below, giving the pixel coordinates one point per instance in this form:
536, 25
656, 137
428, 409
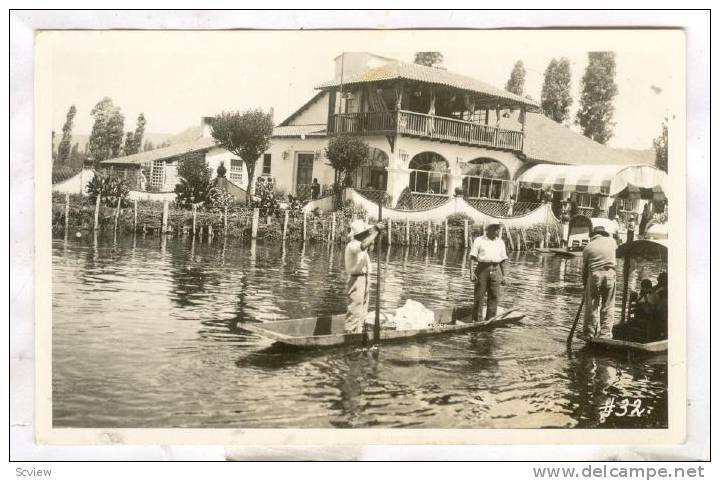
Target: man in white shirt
487, 271
357, 266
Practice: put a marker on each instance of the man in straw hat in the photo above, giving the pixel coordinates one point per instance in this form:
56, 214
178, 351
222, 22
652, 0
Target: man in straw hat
599, 282
487, 271
357, 266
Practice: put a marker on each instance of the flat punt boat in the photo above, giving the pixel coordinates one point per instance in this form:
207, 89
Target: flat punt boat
327, 331
654, 347
565, 253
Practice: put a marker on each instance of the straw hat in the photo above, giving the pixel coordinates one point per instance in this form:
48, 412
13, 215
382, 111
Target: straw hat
358, 226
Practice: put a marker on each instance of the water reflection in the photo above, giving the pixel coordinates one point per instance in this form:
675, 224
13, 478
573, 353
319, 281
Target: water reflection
144, 336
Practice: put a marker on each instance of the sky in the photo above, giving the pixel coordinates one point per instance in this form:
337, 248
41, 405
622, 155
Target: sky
176, 77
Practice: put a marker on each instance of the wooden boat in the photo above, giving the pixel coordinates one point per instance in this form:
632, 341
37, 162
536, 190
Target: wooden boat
326, 331
620, 345
565, 253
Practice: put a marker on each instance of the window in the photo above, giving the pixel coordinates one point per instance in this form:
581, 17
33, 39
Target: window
236, 170
157, 173
482, 187
587, 200
267, 160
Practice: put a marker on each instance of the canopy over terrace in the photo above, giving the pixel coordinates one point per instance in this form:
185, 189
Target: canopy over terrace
638, 181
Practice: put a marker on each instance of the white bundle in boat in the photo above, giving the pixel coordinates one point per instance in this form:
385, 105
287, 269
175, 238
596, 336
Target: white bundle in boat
413, 315
387, 320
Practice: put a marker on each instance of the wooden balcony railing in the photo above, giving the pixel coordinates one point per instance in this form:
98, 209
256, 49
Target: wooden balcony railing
425, 126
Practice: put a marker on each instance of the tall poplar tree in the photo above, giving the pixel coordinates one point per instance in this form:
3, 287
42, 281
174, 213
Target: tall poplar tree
516, 82
63, 154
555, 98
596, 100
106, 139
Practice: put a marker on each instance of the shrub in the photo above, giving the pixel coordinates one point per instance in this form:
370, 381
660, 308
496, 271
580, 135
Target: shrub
62, 172
458, 220
110, 189
265, 199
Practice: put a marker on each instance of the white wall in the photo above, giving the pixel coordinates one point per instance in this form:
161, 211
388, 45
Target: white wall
284, 161
75, 184
316, 113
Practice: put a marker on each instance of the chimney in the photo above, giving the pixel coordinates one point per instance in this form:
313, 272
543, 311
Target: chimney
206, 127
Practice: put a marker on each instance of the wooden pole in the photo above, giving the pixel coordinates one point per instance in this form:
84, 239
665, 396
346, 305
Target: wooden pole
97, 212
67, 213
135, 215
117, 214
332, 228
465, 235
407, 231
522, 236
225, 219
378, 240
255, 220
512, 244
210, 232
194, 213
446, 234
166, 208
304, 226
427, 239
285, 224
389, 230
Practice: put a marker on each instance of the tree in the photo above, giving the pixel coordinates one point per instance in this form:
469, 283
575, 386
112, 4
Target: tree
245, 134
77, 158
555, 98
516, 82
148, 145
139, 133
660, 144
194, 185
106, 139
129, 147
63, 154
596, 100
345, 154
429, 59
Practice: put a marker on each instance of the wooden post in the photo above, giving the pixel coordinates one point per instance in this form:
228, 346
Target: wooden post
332, 228
512, 244
225, 219
97, 212
194, 212
446, 234
304, 227
117, 213
389, 232
465, 235
67, 213
522, 236
285, 224
210, 232
427, 240
517, 239
407, 231
135, 215
255, 220
166, 209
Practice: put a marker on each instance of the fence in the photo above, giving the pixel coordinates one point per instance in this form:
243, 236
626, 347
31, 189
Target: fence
74, 213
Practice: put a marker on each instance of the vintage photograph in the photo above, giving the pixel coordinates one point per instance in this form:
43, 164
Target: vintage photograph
443, 229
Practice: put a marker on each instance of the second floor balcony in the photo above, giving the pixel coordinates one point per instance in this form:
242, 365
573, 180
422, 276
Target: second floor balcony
425, 126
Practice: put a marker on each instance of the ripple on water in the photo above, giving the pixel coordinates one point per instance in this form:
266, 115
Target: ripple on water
143, 336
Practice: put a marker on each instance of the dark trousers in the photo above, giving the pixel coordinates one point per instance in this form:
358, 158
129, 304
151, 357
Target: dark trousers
488, 278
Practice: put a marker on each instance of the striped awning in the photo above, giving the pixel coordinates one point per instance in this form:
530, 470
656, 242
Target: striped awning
593, 179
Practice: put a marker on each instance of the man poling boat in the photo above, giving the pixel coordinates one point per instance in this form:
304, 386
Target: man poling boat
599, 282
358, 267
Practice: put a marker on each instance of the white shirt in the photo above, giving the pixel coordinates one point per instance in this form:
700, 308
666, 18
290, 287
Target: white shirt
357, 260
487, 250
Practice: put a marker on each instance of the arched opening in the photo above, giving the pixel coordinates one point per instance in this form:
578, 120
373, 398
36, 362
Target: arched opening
486, 179
429, 173
372, 173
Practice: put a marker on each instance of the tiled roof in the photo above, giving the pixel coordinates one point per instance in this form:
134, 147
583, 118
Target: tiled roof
420, 73
163, 153
312, 130
549, 141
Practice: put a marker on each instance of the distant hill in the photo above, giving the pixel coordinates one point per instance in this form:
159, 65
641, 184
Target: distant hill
82, 139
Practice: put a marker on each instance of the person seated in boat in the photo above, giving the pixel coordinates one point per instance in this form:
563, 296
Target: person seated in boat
357, 266
641, 313
487, 271
659, 300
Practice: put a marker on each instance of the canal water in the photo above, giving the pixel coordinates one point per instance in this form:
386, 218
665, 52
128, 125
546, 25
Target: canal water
143, 336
